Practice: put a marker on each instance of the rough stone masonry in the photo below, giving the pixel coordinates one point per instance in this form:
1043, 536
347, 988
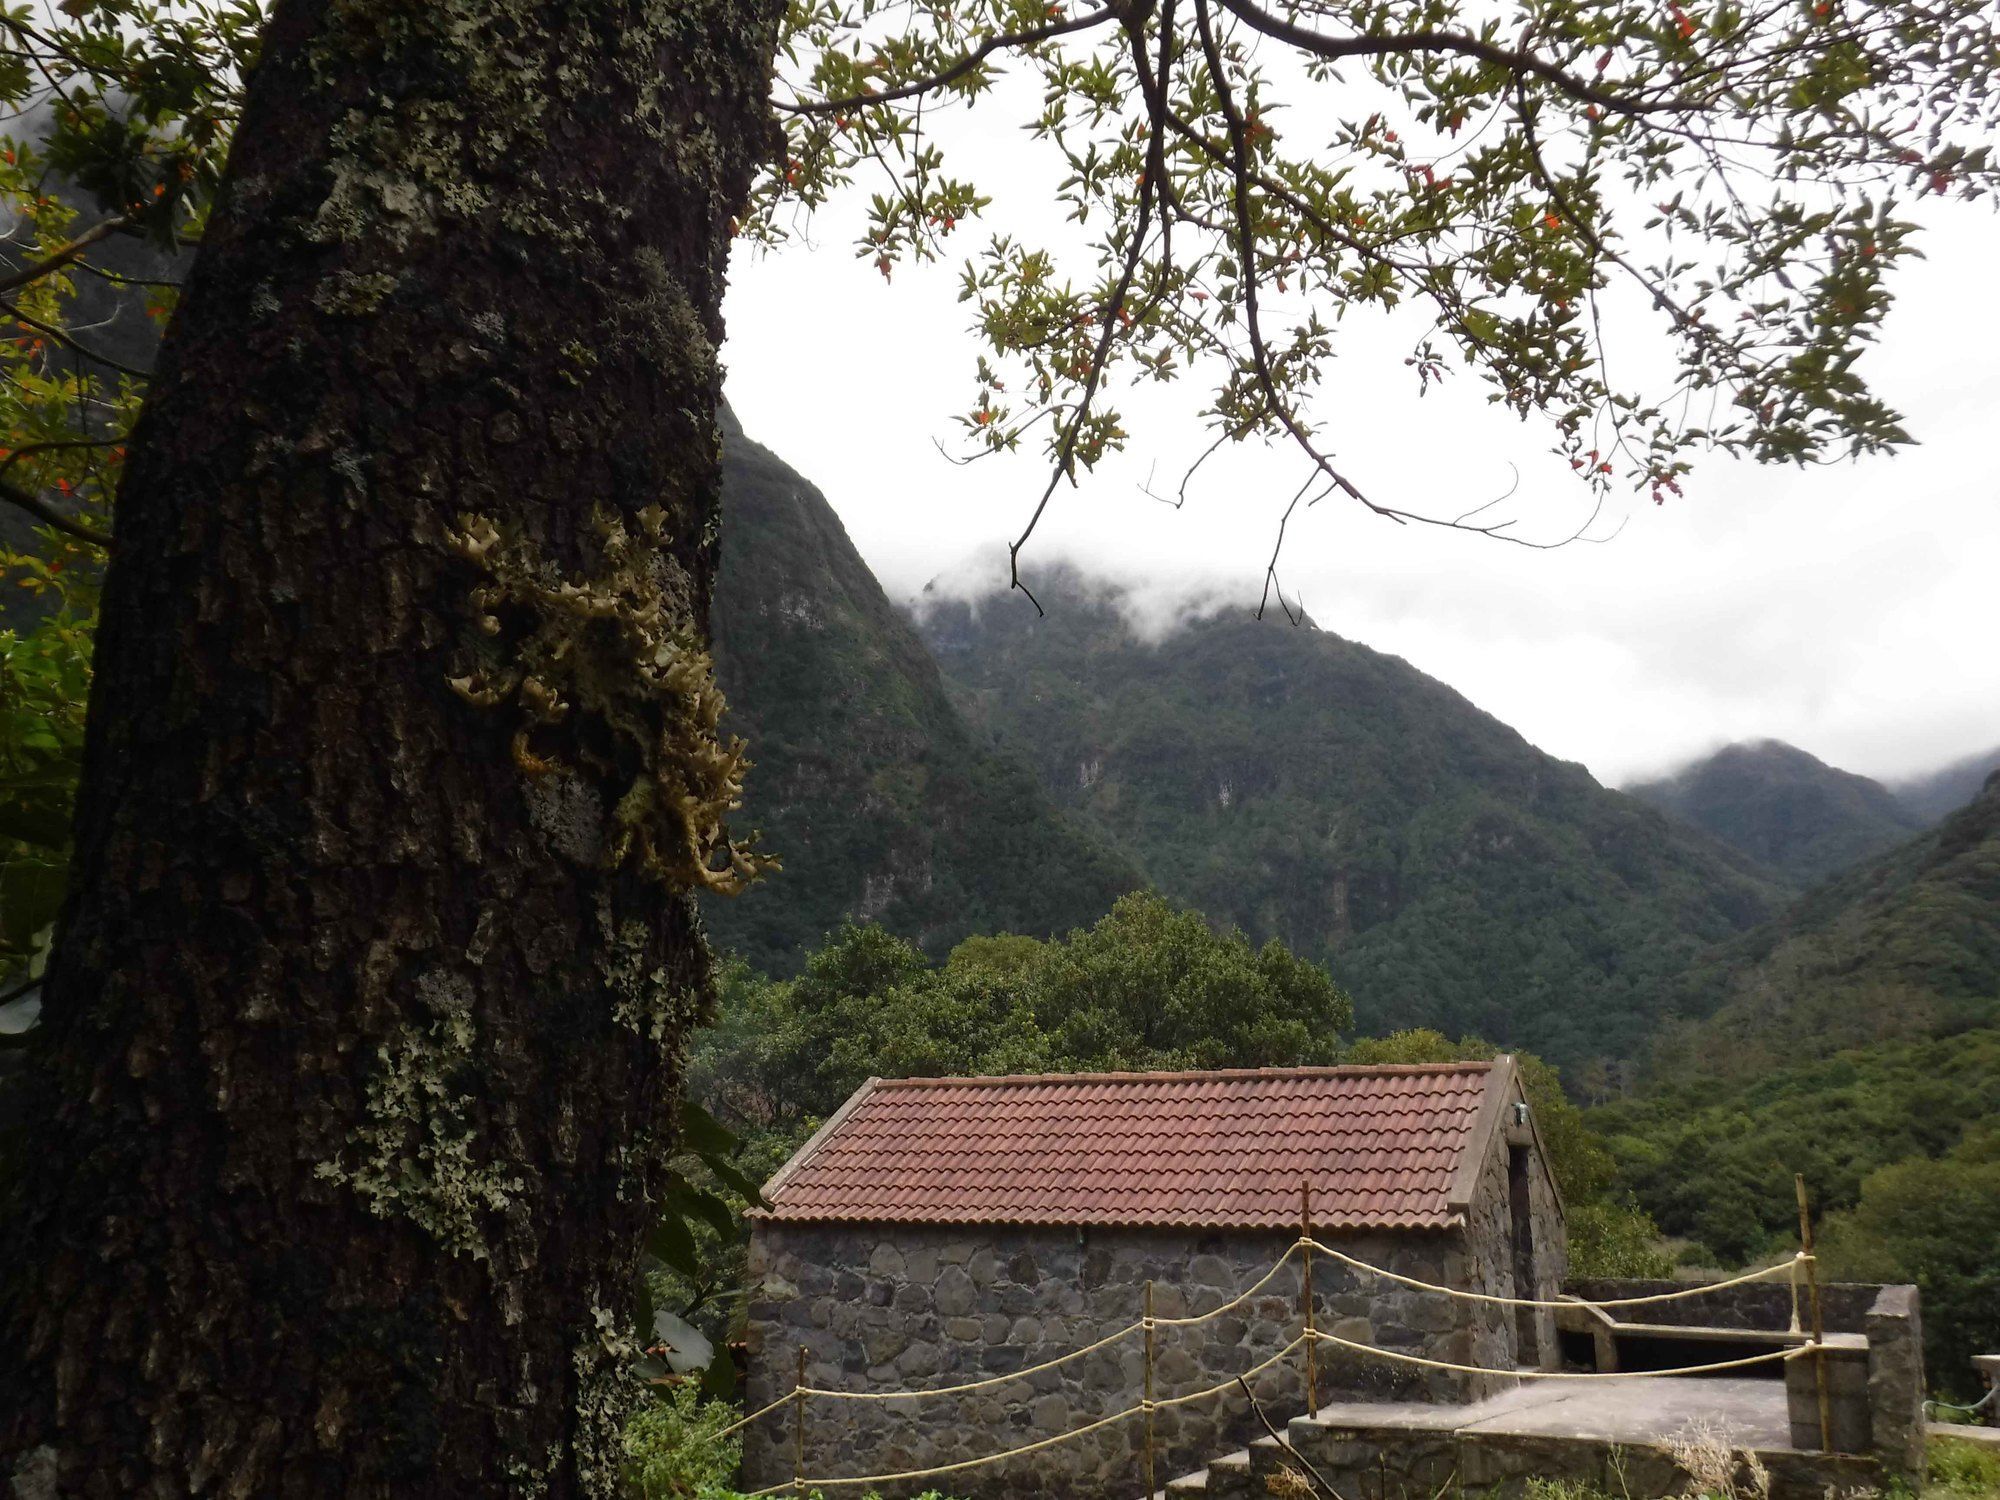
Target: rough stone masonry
897, 1307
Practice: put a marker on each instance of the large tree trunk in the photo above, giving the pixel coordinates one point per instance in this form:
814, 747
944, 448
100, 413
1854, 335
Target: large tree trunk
361, 1048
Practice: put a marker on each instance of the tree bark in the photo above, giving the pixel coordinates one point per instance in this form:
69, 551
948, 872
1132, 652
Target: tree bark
362, 1044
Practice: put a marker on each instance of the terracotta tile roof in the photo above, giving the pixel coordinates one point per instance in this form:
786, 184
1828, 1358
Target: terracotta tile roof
1228, 1149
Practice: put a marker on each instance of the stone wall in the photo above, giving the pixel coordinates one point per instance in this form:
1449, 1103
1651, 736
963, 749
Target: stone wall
1896, 1384
1878, 1386
1490, 1261
896, 1307
1407, 1454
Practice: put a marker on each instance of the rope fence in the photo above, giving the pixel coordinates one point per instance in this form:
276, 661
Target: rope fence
1772, 1356
1786, 1267
1309, 1339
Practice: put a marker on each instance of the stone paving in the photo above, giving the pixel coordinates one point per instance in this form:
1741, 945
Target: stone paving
1609, 1434
1638, 1409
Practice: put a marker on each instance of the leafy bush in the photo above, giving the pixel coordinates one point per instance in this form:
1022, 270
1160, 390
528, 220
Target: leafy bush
1149, 986
672, 1450
1615, 1237
1934, 1223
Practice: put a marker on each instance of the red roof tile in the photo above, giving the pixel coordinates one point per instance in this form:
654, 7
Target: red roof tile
1227, 1149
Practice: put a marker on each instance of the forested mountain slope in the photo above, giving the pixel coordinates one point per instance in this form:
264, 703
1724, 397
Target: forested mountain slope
1788, 810
1906, 945
1939, 793
867, 783
1857, 1043
1307, 788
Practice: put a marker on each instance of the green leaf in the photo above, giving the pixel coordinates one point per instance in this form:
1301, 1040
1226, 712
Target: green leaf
718, 1381
732, 1177
703, 1134
672, 1243
708, 1207
31, 893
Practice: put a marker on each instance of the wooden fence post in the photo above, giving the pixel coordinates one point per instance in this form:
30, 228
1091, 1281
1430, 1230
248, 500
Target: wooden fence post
1818, 1321
1306, 1296
799, 1427
1151, 1486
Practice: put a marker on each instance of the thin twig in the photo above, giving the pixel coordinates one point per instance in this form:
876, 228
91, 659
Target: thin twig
19, 990
62, 255
68, 341
1455, 43
1318, 1478
39, 508
1005, 41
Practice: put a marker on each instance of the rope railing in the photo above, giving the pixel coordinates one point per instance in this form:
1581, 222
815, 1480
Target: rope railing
1309, 1338
1139, 1325
1788, 1267
1136, 1409
1768, 1357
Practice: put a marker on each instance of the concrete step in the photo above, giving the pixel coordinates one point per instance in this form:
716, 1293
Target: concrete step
1189, 1485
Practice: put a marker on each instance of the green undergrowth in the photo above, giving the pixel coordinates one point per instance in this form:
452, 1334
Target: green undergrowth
1961, 1470
1955, 1470
674, 1450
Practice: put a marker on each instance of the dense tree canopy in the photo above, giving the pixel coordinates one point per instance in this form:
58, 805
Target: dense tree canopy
1934, 1223
1149, 986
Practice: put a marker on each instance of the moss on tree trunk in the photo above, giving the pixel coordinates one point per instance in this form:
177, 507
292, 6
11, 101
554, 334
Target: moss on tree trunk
361, 1046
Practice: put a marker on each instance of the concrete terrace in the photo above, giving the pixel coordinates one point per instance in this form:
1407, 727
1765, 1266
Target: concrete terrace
1749, 1412
1606, 1432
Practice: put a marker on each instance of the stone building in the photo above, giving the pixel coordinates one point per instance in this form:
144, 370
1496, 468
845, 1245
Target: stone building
939, 1231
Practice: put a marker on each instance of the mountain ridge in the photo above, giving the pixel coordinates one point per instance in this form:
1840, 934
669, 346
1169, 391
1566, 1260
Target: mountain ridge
1783, 807
1311, 789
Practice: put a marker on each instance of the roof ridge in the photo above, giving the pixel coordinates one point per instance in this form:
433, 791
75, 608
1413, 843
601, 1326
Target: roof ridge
1324, 1070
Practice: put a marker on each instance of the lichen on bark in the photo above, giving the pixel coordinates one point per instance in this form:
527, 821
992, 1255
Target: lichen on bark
604, 674
418, 1154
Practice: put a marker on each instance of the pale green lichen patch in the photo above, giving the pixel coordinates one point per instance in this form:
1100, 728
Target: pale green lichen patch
410, 166
643, 999
526, 1481
656, 318
416, 1154
354, 293
615, 649
606, 1392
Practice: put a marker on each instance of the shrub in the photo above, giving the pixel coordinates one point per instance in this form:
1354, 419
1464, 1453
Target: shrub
672, 1450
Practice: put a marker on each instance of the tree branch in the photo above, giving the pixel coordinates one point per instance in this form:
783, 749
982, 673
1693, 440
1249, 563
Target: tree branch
1002, 42
1515, 61
1319, 1479
41, 510
1065, 462
64, 254
49, 330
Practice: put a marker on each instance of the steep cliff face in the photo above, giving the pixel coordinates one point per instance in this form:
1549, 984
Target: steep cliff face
1785, 809
1311, 789
868, 783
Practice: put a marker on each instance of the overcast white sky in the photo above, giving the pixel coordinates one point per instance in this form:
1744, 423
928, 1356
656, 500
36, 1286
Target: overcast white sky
1849, 610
